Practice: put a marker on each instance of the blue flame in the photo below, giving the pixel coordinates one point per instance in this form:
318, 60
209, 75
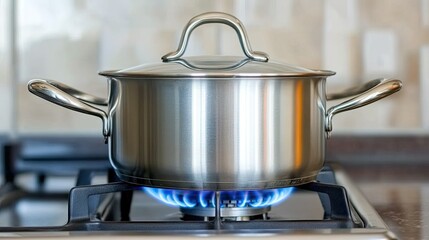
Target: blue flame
241, 199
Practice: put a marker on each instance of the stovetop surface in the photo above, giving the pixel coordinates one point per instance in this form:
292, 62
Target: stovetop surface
51, 209
329, 208
38, 209
397, 191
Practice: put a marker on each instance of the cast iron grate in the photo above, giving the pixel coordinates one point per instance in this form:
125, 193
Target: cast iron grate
335, 203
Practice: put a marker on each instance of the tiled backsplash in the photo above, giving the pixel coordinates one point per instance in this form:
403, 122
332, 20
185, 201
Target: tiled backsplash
72, 40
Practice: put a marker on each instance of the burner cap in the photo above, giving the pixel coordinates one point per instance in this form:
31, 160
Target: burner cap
227, 212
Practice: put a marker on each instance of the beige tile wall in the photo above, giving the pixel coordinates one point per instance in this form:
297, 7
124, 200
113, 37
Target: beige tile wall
72, 40
5, 75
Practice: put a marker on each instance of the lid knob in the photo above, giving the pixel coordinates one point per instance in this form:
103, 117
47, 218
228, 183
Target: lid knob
216, 17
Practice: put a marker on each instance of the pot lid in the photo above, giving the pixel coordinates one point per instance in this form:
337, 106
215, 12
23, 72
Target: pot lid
254, 64
215, 67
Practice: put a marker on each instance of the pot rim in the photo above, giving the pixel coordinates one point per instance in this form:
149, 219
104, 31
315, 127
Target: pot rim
118, 74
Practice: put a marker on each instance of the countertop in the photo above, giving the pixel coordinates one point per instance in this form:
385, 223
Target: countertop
399, 193
393, 173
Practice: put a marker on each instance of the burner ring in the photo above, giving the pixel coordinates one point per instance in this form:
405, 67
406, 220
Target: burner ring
226, 212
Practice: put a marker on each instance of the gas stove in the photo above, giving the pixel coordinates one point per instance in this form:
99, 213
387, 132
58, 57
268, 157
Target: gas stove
329, 208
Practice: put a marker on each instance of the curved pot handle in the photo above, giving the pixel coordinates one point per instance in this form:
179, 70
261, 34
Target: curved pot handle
78, 94
216, 17
355, 90
383, 88
50, 91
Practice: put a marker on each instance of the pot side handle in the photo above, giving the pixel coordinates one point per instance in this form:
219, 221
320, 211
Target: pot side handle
88, 98
49, 90
354, 90
381, 89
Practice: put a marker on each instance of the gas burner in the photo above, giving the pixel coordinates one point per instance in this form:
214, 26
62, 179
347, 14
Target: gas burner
234, 205
226, 213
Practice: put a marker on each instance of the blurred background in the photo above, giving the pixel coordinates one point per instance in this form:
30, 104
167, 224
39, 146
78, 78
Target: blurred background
72, 40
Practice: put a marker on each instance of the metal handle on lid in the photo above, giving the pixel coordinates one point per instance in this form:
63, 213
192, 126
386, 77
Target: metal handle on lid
216, 17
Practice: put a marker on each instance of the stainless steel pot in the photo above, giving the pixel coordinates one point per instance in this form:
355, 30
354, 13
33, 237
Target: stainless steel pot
215, 123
